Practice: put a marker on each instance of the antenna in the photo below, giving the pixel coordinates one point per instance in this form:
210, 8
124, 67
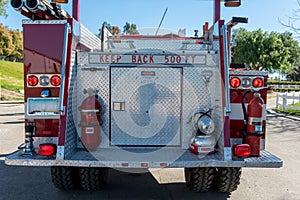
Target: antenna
162, 19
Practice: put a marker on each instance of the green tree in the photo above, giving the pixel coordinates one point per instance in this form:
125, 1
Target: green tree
130, 28
266, 51
126, 28
133, 29
292, 51
17, 40
107, 25
6, 43
3, 4
295, 75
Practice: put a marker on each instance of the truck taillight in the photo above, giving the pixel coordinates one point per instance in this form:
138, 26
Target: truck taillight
258, 82
242, 150
47, 149
235, 82
55, 80
32, 80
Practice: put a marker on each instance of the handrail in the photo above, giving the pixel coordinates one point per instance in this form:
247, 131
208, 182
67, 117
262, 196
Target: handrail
63, 69
226, 64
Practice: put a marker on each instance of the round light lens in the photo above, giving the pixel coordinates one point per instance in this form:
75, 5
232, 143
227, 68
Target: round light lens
32, 80
246, 82
206, 125
55, 80
258, 83
44, 80
235, 82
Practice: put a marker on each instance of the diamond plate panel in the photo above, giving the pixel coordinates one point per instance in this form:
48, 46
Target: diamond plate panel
235, 141
247, 73
82, 58
28, 21
202, 90
152, 114
96, 78
82, 158
186, 44
216, 46
43, 140
202, 94
214, 36
156, 44
71, 131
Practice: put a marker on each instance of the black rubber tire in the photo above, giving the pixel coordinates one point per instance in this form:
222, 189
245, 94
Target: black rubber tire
93, 178
199, 179
64, 178
227, 179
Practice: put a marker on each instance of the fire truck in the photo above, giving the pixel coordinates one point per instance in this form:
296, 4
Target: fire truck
138, 102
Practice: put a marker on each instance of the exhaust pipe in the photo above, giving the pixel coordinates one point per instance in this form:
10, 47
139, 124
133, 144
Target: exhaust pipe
17, 4
51, 11
39, 9
35, 5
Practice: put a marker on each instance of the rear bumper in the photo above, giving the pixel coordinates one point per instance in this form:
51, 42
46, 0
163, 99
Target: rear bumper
138, 159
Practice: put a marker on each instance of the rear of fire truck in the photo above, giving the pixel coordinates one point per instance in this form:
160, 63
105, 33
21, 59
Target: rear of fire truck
137, 102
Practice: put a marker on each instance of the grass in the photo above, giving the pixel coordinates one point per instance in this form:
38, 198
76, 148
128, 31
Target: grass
290, 111
19, 99
12, 75
294, 112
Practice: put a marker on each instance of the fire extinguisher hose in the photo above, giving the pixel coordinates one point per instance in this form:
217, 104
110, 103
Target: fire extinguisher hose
244, 130
244, 107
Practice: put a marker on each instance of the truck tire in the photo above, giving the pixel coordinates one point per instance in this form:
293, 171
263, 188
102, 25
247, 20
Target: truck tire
227, 179
93, 178
64, 178
199, 179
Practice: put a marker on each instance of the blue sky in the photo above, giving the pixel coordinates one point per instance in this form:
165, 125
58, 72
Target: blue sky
189, 14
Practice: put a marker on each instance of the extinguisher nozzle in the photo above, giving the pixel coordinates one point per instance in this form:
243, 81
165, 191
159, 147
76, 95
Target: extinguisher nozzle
257, 95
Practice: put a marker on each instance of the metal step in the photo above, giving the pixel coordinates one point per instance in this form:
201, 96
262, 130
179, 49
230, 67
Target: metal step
141, 158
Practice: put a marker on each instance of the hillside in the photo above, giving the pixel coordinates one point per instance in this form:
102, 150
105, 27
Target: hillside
12, 80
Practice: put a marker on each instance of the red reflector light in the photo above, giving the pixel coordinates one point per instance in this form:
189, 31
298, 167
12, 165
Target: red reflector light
55, 80
144, 165
125, 164
242, 150
232, 3
206, 149
258, 82
163, 164
47, 149
32, 80
235, 82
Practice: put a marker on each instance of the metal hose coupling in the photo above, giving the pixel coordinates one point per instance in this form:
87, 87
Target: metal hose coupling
28, 146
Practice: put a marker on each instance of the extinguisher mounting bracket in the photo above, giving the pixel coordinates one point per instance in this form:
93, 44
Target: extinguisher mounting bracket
90, 91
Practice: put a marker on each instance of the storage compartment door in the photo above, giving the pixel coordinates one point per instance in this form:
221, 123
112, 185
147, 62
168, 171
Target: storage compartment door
146, 106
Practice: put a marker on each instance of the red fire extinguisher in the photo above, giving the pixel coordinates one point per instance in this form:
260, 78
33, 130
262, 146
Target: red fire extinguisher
90, 123
253, 130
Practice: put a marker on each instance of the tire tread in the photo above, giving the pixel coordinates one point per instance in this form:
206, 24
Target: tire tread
227, 179
199, 179
93, 178
63, 177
